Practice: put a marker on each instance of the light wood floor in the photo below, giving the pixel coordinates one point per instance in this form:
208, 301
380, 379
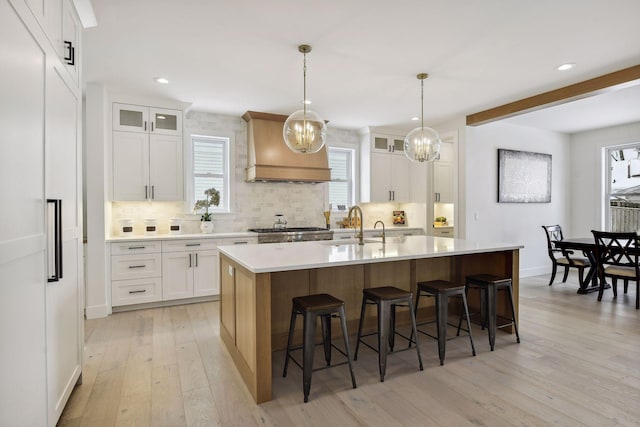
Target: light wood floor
578, 365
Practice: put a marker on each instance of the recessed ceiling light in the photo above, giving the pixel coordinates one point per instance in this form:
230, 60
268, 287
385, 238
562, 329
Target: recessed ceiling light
162, 80
415, 119
565, 67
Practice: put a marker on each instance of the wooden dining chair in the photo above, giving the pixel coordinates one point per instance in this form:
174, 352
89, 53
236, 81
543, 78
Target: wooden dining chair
563, 257
617, 258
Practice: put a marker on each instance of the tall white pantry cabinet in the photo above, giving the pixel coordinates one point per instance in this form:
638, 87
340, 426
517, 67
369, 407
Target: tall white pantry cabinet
41, 268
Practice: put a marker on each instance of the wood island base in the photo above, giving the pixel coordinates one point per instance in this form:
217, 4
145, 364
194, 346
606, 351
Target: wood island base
255, 307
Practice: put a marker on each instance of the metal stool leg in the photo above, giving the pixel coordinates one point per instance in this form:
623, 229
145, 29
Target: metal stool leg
325, 320
466, 311
364, 305
513, 312
292, 324
345, 335
414, 330
492, 298
441, 321
392, 327
383, 336
415, 312
308, 347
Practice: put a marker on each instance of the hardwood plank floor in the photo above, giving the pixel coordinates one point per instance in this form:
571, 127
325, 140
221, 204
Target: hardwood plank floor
577, 365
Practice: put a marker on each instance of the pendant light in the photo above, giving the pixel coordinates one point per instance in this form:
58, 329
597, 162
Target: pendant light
304, 131
423, 143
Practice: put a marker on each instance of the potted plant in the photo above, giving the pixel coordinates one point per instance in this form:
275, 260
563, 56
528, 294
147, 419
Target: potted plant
212, 199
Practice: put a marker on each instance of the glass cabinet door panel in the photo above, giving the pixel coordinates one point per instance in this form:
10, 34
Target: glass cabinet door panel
165, 121
398, 146
380, 143
130, 118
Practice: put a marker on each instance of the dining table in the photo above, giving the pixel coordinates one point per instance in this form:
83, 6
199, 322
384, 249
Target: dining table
588, 247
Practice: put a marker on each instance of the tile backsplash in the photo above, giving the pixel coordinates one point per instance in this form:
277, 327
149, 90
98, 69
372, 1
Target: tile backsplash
255, 203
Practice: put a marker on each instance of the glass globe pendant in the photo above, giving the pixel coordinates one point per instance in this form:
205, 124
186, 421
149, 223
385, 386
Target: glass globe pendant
304, 131
422, 144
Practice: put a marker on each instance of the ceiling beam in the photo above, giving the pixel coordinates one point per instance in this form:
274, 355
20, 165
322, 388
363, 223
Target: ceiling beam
608, 82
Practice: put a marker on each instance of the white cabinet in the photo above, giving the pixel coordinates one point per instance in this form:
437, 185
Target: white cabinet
61, 24
390, 178
41, 274
387, 144
443, 182
148, 120
136, 273
443, 231
147, 153
71, 29
419, 172
385, 170
189, 269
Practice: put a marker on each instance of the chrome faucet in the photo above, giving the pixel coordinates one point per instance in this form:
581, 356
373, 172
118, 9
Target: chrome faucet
383, 233
355, 210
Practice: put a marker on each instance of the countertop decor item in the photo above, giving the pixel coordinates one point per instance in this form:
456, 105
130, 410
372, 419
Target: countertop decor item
212, 199
422, 144
399, 218
304, 130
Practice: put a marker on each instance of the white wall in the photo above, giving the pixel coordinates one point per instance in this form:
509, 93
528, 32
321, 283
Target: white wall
514, 222
587, 178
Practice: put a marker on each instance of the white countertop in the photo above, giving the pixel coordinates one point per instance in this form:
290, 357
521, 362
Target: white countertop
233, 234
303, 255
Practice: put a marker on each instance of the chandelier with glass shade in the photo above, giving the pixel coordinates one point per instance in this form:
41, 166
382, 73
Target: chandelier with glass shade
422, 144
304, 131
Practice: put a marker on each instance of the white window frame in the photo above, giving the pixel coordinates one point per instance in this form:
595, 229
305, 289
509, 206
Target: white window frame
227, 174
353, 169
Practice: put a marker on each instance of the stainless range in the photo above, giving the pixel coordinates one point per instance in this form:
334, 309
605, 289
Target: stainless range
292, 234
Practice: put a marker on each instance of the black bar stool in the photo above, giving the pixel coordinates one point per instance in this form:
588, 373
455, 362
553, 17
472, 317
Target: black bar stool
386, 298
310, 307
489, 285
441, 290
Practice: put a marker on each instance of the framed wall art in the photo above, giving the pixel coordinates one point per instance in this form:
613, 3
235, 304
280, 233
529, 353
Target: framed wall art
524, 177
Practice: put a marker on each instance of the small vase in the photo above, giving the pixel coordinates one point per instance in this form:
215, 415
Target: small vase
206, 227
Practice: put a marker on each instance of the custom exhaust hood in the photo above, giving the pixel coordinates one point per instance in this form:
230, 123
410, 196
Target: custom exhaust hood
269, 158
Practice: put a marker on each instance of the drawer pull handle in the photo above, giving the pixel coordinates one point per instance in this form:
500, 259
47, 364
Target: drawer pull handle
137, 266
244, 242
136, 247
192, 244
141, 291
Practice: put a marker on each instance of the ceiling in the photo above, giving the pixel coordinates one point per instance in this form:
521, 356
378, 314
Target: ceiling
231, 56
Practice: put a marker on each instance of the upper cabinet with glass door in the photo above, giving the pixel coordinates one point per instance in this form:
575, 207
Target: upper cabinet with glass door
137, 118
387, 144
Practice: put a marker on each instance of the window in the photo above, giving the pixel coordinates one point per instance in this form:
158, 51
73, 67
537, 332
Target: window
341, 186
211, 168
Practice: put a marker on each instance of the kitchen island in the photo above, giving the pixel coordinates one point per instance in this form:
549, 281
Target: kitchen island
259, 281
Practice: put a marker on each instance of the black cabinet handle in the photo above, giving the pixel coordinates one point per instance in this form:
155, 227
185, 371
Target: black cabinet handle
138, 292
137, 266
71, 56
136, 247
192, 244
55, 234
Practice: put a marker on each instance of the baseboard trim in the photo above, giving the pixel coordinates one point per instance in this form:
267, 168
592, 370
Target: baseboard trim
534, 271
96, 311
165, 303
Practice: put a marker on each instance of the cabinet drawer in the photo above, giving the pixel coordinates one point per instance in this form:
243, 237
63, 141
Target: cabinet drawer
137, 291
139, 247
238, 241
136, 266
443, 233
188, 245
